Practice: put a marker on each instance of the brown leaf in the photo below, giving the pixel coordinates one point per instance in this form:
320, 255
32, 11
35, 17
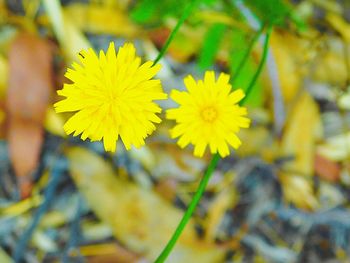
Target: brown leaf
159, 36
30, 84
326, 169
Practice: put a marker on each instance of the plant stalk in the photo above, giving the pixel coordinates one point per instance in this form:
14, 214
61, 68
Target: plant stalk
195, 200
260, 66
182, 19
215, 159
247, 54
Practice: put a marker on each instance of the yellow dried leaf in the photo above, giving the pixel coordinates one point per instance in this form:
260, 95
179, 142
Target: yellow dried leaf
22, 207
257, 139
344, 101
222, 202
298, 190
286, 48
74, 41
54, 219
336, 148
302, 130
3, 76
140, 219
101, 19
70, 37
339, 24
330, 68
54, 122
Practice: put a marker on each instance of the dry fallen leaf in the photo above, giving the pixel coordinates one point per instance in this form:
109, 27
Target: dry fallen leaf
3, 75
340, 25
28, 96
289, 52
336, 148
223, 201
71, 39
108, 252
54, 122
141, 220
259, 139
330, 68
302, 131
99, 19
344, 101
327, 169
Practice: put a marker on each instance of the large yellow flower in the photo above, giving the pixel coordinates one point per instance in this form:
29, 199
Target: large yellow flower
208, 115
113, 95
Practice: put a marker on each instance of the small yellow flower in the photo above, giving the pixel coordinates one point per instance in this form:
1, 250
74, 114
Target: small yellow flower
113, 95
208, 115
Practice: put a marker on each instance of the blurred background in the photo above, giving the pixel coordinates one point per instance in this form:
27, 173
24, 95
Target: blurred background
283, 196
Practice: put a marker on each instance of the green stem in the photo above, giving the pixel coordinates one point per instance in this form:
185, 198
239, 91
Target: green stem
247, 53
182, 19
211, 167
195, 200
260, 67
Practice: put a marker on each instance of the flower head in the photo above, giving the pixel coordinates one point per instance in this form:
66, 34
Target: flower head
208, 115
112, 95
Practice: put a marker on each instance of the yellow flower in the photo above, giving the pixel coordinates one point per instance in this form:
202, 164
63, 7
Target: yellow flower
208, 115
113, 95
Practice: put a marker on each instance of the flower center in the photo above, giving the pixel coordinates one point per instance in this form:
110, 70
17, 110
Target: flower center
209, 114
